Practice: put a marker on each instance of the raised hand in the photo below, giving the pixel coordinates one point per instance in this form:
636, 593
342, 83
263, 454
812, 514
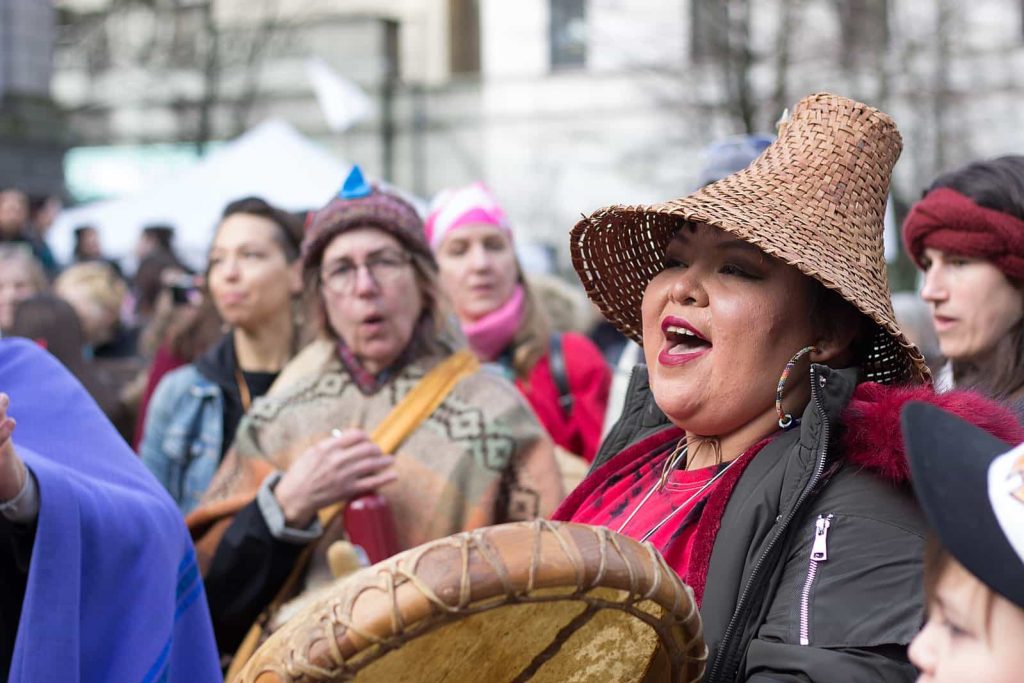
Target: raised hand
12, 470
341, 467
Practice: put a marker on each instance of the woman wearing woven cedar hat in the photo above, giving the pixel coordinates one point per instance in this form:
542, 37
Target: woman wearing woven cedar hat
778, 489
967, 235
564, 377
383, 401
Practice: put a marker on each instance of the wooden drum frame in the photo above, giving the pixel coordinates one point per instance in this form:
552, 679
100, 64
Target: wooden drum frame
530, 601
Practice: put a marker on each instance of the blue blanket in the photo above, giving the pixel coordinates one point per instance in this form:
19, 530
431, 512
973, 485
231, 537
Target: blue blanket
113, 593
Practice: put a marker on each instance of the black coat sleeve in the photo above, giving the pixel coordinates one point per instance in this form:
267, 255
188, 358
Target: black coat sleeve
859, 608
16, 542
247, 571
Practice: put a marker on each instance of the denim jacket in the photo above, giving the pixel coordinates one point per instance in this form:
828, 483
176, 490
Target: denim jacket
181, 444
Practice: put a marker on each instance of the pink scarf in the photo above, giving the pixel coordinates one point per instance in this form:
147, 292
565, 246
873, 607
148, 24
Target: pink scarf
490, 335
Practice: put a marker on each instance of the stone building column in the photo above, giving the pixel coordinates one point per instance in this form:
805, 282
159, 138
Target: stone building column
32, 132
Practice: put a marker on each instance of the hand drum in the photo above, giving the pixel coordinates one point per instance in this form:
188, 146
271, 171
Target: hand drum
530, 601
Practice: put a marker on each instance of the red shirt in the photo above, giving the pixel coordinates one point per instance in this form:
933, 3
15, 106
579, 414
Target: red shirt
623, 493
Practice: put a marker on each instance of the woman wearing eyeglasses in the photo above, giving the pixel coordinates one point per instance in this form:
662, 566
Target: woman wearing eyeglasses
469, 451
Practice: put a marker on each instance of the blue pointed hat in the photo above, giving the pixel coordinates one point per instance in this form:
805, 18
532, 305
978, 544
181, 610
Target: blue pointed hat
355, 185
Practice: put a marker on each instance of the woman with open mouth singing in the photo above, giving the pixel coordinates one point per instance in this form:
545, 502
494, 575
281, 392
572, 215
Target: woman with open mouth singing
768, 470
384, 402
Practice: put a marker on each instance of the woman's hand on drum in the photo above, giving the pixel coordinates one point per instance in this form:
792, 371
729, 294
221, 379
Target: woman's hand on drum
12, 470
339, 468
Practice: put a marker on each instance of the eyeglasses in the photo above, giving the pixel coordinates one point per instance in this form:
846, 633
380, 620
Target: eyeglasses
384, 267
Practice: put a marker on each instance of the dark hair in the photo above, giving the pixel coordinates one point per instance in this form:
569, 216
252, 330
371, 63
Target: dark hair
288, 236
52, 323
161, 233
78, 232
289, 226
833, 316
52, 320
148, 280
996, 184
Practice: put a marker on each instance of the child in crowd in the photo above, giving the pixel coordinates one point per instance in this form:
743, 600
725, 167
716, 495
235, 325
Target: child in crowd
971, 486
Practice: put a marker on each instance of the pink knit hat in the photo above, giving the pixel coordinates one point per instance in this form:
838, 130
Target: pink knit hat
459, 207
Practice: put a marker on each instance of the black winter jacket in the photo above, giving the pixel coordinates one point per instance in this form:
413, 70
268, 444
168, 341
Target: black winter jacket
770, 611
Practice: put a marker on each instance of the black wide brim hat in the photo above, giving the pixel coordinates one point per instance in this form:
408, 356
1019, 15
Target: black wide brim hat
971, 486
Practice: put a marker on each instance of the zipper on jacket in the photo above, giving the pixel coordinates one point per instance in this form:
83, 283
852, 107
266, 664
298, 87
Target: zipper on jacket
741, 605
819, 553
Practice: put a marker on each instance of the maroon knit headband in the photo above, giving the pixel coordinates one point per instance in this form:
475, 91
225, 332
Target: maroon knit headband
951, 222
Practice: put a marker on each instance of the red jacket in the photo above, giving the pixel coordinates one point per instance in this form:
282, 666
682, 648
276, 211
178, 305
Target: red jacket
589, 383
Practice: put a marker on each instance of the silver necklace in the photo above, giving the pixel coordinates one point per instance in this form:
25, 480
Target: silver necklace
672, 465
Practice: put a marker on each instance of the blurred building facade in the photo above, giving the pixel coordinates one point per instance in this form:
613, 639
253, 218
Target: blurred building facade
561, 105
31, 130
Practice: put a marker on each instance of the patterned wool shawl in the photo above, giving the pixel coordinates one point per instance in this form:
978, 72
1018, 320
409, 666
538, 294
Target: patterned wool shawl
480, 458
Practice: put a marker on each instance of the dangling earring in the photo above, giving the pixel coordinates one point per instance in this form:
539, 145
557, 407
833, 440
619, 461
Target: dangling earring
786, 419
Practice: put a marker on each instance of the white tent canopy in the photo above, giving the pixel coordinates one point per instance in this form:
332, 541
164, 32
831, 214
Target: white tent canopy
272, 161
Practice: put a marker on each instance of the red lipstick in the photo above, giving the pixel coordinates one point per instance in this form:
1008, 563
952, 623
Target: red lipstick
672, 340
672, 321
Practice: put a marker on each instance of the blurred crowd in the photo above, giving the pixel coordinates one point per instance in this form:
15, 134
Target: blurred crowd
120, 333
279, 381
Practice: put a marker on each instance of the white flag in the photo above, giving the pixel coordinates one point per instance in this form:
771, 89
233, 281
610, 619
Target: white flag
342, 102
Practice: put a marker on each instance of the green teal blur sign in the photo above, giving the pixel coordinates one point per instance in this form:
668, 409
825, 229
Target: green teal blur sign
117, 171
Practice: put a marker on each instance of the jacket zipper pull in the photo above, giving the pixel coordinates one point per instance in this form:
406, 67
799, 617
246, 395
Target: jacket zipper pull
819, 551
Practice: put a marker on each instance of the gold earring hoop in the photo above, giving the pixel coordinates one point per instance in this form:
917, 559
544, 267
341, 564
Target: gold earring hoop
786, 419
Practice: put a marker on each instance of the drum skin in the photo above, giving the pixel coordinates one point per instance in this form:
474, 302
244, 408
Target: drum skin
530, 601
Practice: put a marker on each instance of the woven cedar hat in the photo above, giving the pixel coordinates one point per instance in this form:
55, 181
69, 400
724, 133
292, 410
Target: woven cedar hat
814, 199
